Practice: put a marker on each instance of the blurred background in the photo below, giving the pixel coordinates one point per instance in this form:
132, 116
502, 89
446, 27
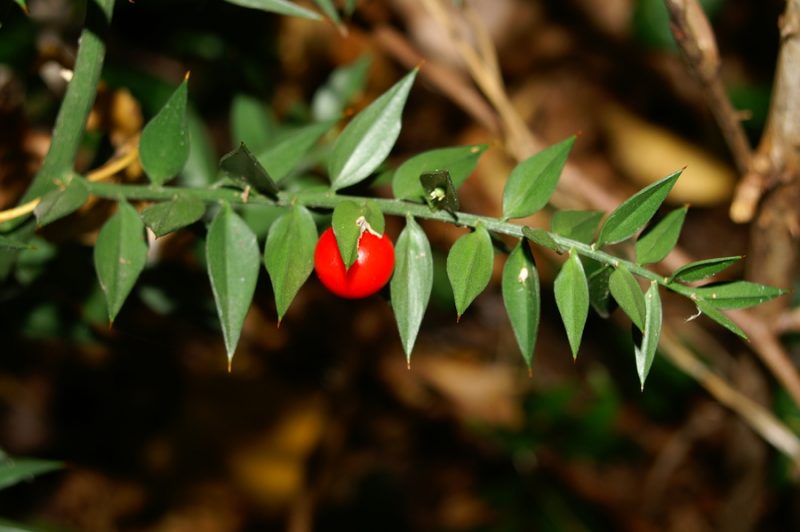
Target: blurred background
320, 425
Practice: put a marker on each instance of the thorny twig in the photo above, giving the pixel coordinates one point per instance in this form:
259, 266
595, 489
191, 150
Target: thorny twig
521, 143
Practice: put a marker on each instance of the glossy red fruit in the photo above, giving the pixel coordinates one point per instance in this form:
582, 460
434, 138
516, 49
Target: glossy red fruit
368, 274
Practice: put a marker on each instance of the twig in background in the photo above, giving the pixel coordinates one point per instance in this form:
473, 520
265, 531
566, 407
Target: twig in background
757, 417
451, 83
775, 237
789, 321
698, 47
777, 156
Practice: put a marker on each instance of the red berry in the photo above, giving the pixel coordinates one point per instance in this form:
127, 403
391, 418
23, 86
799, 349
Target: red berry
368, 274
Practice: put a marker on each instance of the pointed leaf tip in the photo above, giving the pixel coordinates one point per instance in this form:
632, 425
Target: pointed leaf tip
120, 254
412, 283
281, 7
702, 269
522, 298
348, 223
572, 299
645, 353
737, 294
369, 137
636, 211
718, 316
232, 259
289, 255
164, 142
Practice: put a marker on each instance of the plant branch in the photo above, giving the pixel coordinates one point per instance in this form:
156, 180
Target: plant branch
104, 172
329, 200
760, 420
521, 143
775, 233
788, 322
777, 159
576, 184
78, 100
19, 211
698, 47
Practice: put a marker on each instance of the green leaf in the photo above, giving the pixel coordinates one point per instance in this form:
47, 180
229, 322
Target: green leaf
16, 470
701, 269
576, 225
23, 4
542, 238
329, 9
656, 244
469, 267
369, 137
350, 6
598, 278
411, 283
232, 258
12, 526
628, 294
534, 180
75, 106
169, 216
21, 234
281, 7
283, 156
646, 352
120, 254
10, 243
251, 123
715, 314
61, 202
636, 211
200, 169
289, 255
164, 144
460, 161
341, 88
737, 294
240, 164
440, 194
522, 298
347, 223
260, 217
572, 299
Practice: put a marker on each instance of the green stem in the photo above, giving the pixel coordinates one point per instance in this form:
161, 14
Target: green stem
329, 200
78, 100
